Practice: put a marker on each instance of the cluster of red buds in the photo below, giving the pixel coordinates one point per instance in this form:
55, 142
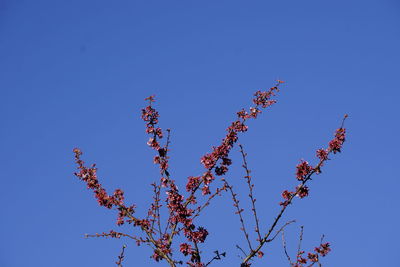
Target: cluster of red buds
322, 251
304, 170
89, 176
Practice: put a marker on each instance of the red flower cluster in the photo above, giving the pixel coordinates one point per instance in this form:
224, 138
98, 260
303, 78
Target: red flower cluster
302, 191
322, 154
207, 177
150, 116
178, 211
299, 260
288, 197
193, 183
313, 257
209, 161
322, 250
123, 213
336, 144
89, 175
198, 236
185, 249
263, 98
303, 169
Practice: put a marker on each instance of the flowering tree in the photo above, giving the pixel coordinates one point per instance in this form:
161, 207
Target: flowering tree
179, 229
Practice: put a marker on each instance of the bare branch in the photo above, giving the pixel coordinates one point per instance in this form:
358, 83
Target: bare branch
285, 248
250, 185
121, 257
238, 212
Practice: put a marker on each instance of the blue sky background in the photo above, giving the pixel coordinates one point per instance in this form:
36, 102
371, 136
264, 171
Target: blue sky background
75, 73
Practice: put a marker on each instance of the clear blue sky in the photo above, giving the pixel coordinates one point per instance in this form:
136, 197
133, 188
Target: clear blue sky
75, 73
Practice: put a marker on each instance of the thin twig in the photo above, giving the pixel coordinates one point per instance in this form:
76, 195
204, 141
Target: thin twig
113, 234
239, 212
300, 239
238, 247
217, 192
280, 230
121, 256
250, 185
216, 257
285, 248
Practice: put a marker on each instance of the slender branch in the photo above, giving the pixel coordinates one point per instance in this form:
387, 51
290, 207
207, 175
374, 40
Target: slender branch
239, 212
301, 239
253, 200
312, 264
238, 247
121, 256
114, 234
216, 257
285, 248
280, 230
217, 192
